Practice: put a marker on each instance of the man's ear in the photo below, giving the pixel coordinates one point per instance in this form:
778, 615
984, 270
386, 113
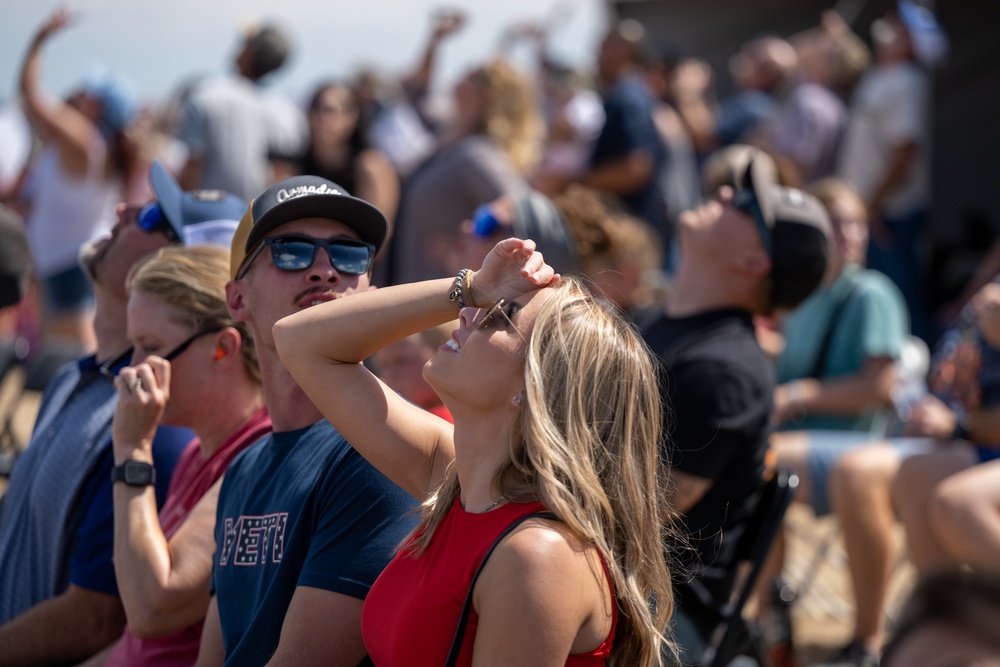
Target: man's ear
236, 302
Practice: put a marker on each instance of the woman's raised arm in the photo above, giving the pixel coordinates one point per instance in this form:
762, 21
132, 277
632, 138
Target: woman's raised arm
323, 347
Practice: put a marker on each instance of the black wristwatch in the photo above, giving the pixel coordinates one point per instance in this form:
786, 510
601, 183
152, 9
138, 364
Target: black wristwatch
134, 473
961, 431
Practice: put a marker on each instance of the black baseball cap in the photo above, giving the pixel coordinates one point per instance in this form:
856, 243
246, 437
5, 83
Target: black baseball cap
305, 197
796, 230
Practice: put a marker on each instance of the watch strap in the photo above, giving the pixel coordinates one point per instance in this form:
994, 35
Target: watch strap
961, 431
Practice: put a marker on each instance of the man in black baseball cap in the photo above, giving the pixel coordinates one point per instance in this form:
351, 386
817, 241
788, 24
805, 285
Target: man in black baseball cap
302, 197
794, 228
305, 524
753, 252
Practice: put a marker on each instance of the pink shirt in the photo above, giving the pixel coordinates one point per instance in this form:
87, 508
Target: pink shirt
193, 477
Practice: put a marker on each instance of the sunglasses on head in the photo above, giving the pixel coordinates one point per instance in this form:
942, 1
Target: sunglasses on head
745, 201
297, 253
152, 219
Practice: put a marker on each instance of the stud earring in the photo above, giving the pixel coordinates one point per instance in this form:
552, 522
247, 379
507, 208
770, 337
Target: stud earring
219, 353
516, 400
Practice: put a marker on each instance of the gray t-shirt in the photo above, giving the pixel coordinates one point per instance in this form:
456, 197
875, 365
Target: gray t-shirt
235, 126
442, 193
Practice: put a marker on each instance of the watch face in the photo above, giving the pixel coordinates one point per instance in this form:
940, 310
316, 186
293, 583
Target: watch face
137, 473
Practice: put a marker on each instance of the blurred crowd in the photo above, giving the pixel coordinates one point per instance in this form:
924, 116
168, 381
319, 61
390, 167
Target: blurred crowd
767, 245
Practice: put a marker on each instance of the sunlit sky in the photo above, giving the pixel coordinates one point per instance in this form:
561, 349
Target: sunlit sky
158, 44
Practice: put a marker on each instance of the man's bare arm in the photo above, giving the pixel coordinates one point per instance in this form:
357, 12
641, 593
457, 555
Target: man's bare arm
686, 490
320, 628
68, 628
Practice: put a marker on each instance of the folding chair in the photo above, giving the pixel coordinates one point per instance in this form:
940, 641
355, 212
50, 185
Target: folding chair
732, 637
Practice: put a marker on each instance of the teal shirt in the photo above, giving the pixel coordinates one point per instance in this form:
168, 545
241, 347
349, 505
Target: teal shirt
872, 323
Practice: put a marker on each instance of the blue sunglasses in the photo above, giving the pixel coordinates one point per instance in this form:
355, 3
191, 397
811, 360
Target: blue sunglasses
152, 219
745, 201
297, 253
484, 223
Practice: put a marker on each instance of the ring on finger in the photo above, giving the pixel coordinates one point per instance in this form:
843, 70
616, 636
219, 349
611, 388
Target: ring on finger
134, 384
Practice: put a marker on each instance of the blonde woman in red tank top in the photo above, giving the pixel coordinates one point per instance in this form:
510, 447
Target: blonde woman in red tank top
556, 407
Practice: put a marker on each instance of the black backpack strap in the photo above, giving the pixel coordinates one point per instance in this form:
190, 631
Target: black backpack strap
463, 619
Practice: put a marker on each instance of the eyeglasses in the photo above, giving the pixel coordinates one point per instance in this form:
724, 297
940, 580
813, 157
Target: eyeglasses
484, 223
152, 219
179, 350
745, 201
297, 253
108, 368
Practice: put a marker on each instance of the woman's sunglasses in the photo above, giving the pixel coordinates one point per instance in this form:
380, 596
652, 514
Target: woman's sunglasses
297, 253
108, 369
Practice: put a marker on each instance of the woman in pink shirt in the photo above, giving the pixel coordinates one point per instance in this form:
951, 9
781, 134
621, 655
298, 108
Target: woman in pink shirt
195, 367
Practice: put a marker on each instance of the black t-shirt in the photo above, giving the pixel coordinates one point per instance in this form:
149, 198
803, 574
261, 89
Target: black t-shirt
720, 388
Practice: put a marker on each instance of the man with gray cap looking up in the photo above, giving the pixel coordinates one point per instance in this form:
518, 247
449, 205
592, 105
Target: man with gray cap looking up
233, 126
58, 592
759, 250
304, 524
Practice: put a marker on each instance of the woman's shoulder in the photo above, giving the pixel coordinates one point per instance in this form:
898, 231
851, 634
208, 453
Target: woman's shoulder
545, 544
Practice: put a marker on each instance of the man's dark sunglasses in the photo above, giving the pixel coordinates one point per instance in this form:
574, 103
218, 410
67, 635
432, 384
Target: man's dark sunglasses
297, 253
745, 201
152, 219
107, 369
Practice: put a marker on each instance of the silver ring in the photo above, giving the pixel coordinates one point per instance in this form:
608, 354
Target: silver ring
134, 384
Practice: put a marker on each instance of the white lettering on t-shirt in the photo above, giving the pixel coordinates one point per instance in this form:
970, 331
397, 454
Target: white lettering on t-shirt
251, 536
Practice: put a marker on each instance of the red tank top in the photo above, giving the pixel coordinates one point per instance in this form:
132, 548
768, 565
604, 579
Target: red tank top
410, 614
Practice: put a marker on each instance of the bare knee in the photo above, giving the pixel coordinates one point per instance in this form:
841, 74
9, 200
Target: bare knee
863, 475
950, 506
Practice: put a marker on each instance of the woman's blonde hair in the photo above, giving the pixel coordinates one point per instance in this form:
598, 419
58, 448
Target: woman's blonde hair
193, 281
589, 450
829, 191
510, 114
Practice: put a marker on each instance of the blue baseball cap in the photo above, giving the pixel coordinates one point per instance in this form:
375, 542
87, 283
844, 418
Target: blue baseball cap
116, 94
197, 217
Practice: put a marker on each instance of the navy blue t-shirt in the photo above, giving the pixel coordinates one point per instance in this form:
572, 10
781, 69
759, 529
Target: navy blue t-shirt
299, 508
628, 127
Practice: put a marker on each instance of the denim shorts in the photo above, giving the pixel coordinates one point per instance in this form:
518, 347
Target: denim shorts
827, 447
66, 292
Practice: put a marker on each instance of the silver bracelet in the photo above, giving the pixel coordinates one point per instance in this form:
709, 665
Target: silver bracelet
461, 288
